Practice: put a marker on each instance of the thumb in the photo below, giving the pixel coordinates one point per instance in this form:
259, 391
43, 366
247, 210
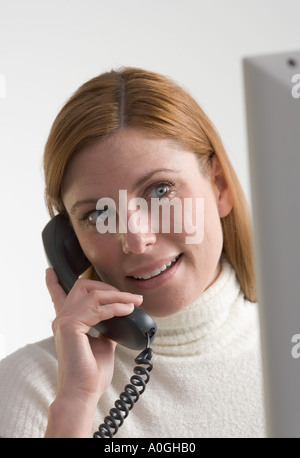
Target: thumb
56, 291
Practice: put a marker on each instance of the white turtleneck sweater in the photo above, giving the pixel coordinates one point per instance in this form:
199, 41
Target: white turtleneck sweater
206, 379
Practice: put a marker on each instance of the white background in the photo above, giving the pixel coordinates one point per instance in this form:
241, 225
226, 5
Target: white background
50, 47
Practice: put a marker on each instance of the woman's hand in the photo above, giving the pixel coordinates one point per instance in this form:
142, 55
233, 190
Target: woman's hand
85, 364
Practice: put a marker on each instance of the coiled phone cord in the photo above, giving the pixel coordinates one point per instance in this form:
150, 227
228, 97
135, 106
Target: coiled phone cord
129, 396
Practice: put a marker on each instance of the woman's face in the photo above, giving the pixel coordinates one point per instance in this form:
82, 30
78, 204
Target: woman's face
138, 256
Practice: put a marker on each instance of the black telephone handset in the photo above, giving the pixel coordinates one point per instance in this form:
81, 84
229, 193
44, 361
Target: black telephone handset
65, 255
136, 330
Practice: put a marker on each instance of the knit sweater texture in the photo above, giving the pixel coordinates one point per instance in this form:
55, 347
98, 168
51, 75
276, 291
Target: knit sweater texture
206, 379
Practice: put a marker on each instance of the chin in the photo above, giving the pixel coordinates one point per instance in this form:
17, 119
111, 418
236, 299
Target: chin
167, 304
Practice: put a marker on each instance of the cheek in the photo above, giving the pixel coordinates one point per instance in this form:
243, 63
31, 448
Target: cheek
100, 251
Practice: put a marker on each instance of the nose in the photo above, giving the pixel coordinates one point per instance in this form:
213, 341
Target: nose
136, 238
137, 243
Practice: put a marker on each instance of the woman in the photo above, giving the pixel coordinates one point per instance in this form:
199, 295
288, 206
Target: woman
137, 131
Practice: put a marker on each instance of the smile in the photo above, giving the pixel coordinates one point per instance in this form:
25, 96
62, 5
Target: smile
156, 272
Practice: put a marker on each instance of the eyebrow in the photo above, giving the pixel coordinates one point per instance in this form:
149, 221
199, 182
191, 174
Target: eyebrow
147, 177
82, 202
140, 182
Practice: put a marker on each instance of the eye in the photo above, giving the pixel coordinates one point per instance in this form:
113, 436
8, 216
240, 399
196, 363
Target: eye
91, 218
159, 191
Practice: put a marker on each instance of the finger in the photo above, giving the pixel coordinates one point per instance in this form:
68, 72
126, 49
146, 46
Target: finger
117, 309
57, 293
109, 297
99, 289
90, 316
88, 285
104, 312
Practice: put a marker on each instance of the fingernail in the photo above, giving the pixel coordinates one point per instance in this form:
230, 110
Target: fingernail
139, 296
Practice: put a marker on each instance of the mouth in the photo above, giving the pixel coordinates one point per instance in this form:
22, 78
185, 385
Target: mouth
158, 276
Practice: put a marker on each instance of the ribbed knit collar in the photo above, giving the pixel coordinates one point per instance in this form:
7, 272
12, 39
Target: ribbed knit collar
205, 324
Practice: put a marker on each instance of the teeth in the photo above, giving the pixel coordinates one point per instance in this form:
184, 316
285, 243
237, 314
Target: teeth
156, 272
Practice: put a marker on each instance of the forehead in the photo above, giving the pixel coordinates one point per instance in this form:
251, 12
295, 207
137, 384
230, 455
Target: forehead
123, 156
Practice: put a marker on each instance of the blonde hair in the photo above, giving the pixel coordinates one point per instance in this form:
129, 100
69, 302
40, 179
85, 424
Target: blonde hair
141, 99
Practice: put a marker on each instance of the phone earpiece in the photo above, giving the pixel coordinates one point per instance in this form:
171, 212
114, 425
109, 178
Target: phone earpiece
63, 251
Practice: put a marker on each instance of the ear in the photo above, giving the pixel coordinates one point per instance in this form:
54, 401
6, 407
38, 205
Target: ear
222, 191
